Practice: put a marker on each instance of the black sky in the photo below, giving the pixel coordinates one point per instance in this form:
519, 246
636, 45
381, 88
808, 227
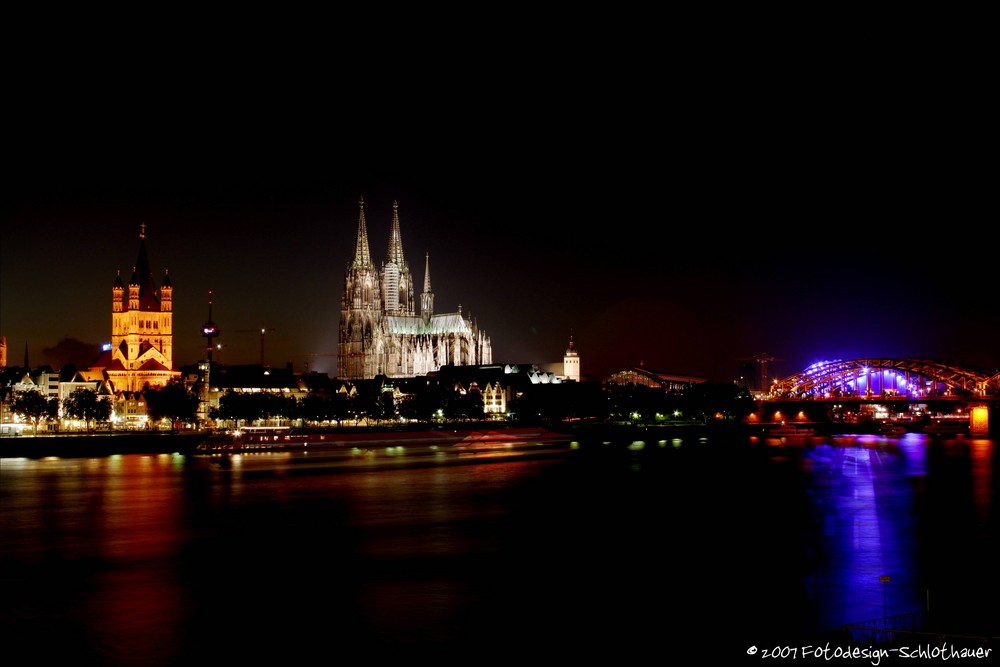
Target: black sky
670, 218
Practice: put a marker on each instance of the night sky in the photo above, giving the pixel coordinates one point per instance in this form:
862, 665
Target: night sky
683, 226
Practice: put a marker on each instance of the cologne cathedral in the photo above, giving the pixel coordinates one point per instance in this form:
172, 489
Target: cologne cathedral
381, 331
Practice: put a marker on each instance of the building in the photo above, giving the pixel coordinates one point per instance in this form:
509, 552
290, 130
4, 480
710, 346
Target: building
130, 411
141, 353
655, 379
571, 363
53, 386
382, 332
567, 370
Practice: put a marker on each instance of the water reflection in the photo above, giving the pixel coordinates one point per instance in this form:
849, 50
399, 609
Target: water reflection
589, 548
867, 518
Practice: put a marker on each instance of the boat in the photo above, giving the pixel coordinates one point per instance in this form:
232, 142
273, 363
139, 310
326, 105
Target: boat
784, 430
889, 428
269, 438
947, 427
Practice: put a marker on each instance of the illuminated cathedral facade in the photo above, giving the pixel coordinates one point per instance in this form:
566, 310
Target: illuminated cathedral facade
141, 328
384, 330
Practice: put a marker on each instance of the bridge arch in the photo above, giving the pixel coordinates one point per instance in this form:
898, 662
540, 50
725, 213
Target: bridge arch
915, 378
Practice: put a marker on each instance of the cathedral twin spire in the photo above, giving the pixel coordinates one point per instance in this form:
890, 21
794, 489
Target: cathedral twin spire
362, 256
397, 283
395, 252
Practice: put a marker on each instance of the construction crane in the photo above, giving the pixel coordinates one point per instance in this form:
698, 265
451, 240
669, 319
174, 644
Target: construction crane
263, 332
763, 358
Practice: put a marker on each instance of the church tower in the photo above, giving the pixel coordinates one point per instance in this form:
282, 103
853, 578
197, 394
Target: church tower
141, 328
427, 297
397, 284
571, 363
361, 311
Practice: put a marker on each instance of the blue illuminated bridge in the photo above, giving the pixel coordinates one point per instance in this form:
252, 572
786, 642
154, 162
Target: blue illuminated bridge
885, 389
917, 379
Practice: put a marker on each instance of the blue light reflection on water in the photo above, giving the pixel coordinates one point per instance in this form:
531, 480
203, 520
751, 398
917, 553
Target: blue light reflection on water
866, 510
917, 510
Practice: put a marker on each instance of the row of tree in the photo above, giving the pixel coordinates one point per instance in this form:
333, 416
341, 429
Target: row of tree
172, 402
82, 404
568, 401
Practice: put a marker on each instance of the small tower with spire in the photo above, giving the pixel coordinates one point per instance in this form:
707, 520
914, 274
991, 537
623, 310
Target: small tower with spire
571, 362
427, 296
166, 293
118, 294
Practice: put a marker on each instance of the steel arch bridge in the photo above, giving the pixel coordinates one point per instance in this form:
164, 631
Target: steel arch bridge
914, 378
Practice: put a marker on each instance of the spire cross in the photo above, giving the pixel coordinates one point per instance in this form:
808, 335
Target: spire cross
142, 230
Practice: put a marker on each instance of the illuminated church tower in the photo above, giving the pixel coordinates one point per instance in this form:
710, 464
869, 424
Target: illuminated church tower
571, 363
381, 332
141, 328
397, 285
360, 310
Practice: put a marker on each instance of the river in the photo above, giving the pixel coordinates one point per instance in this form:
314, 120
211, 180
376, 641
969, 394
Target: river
536, 550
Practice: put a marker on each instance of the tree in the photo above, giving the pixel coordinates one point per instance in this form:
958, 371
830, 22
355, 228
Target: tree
173, 402
291, 408
251, 406
368, 407
707, 399
387, 406
316, 408
236, 406
424, 402
467, 406
84, 404
270, 405
341, 405
34, 406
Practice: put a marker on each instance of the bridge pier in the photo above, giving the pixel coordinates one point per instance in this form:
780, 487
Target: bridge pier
979, 420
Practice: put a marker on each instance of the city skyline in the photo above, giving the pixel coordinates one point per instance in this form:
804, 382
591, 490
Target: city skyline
684, 249
269, 294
